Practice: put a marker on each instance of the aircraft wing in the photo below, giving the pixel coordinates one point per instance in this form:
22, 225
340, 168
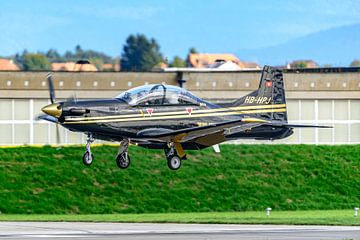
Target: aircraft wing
188, 134
221, 129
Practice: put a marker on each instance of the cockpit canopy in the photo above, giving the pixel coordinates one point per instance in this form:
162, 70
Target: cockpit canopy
158, 94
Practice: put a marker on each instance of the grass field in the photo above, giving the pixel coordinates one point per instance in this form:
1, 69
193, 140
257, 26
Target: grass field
242, 178
324, 217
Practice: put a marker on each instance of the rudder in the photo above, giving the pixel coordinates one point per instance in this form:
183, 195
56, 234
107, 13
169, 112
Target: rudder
271, 92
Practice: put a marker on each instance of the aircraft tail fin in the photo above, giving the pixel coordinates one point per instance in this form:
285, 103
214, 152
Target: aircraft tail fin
268, 101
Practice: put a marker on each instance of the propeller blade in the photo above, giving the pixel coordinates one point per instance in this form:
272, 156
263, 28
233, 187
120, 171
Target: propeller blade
72, 99
75, 98
51, 87
46, 117
58, 140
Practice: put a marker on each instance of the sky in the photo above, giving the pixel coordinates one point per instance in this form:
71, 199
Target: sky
215, 26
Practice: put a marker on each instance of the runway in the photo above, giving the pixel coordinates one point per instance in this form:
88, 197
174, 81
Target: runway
134, 231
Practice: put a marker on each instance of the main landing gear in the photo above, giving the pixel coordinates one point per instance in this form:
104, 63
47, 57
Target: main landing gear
88, 157
123, 158
173, 158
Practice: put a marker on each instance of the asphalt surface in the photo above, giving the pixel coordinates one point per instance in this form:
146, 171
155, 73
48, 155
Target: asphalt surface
133, 231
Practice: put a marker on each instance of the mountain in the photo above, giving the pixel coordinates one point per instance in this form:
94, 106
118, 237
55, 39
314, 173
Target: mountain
336, 46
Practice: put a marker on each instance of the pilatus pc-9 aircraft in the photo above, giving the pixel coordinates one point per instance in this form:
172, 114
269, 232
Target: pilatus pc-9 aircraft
159, 116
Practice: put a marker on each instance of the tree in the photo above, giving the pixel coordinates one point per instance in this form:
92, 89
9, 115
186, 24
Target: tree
327, 65
98, 58
140, 53
355, 63
192, 50
53, 55
178, 62
98, 62
79, 52
19, 58
299, 64
36, 61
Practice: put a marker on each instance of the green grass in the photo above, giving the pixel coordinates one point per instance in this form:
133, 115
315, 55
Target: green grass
317, 217
242, 178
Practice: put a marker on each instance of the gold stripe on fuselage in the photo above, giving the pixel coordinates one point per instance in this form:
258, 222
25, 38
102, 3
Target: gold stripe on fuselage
177, 116
154, 114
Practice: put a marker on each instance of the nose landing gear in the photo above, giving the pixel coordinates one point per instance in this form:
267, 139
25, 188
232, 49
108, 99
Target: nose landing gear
88, 157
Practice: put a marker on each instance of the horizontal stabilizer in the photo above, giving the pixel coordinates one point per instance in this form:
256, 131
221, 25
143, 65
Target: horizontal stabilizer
307, 126
297, 125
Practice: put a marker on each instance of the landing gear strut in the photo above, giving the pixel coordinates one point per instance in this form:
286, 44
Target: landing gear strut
123, 158
173, 159
88, 157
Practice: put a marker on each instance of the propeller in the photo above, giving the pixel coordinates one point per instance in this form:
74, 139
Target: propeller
53, 110
51, 87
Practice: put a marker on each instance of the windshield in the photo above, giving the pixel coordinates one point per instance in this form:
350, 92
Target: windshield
155, 94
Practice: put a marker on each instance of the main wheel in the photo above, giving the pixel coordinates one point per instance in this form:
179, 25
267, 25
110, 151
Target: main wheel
174, 162
123, 160
87, 158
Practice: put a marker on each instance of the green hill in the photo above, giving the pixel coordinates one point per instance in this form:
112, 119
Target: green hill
242, 177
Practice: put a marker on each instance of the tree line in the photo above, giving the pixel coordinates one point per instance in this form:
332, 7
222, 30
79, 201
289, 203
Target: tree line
139, 53
42, 60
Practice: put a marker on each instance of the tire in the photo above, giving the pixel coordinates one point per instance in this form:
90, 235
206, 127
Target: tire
174, 162
123, 162
87, 159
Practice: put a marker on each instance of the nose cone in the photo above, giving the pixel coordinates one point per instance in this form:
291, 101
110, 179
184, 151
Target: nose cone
54, 110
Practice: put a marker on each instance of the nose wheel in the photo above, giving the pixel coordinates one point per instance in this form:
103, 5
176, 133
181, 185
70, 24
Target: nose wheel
123, 158
88, 157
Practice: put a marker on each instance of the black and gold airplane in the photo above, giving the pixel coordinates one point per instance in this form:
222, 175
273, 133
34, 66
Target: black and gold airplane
159, 116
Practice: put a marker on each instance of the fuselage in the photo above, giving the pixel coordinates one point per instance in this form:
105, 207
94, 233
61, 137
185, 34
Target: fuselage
114, 119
